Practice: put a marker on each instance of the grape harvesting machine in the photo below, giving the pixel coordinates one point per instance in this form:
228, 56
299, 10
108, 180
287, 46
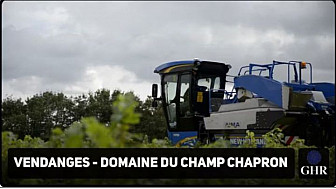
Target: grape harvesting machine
201, 102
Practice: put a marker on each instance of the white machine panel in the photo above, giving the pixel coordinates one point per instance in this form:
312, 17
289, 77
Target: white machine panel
230, 120
234, 119
238, 115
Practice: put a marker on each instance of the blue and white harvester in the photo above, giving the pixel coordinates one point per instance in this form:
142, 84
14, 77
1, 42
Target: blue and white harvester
199, 105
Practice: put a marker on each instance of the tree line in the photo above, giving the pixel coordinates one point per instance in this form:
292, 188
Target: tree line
38, 115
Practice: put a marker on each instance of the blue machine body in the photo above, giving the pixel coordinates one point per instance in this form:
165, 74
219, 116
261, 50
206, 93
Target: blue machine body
271, 89
328, 89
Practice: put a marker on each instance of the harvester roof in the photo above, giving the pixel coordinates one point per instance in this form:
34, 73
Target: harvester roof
188, 65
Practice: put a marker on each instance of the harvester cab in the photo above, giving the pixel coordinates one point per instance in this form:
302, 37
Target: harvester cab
198, 105
185, 91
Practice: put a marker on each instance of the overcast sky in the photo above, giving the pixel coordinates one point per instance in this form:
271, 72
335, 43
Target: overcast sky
77, 47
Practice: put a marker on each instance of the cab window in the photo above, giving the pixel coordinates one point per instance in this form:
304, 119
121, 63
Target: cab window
209, 82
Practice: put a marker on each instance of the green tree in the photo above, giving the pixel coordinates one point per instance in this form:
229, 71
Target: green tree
14, 116
46, 111
80, 104
42, 112
62, 110
100, 105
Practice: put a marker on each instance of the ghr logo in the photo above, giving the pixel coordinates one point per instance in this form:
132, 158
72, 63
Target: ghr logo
315, 164
314, 157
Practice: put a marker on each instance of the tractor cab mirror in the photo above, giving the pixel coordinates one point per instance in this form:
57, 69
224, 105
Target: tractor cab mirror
154, 90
